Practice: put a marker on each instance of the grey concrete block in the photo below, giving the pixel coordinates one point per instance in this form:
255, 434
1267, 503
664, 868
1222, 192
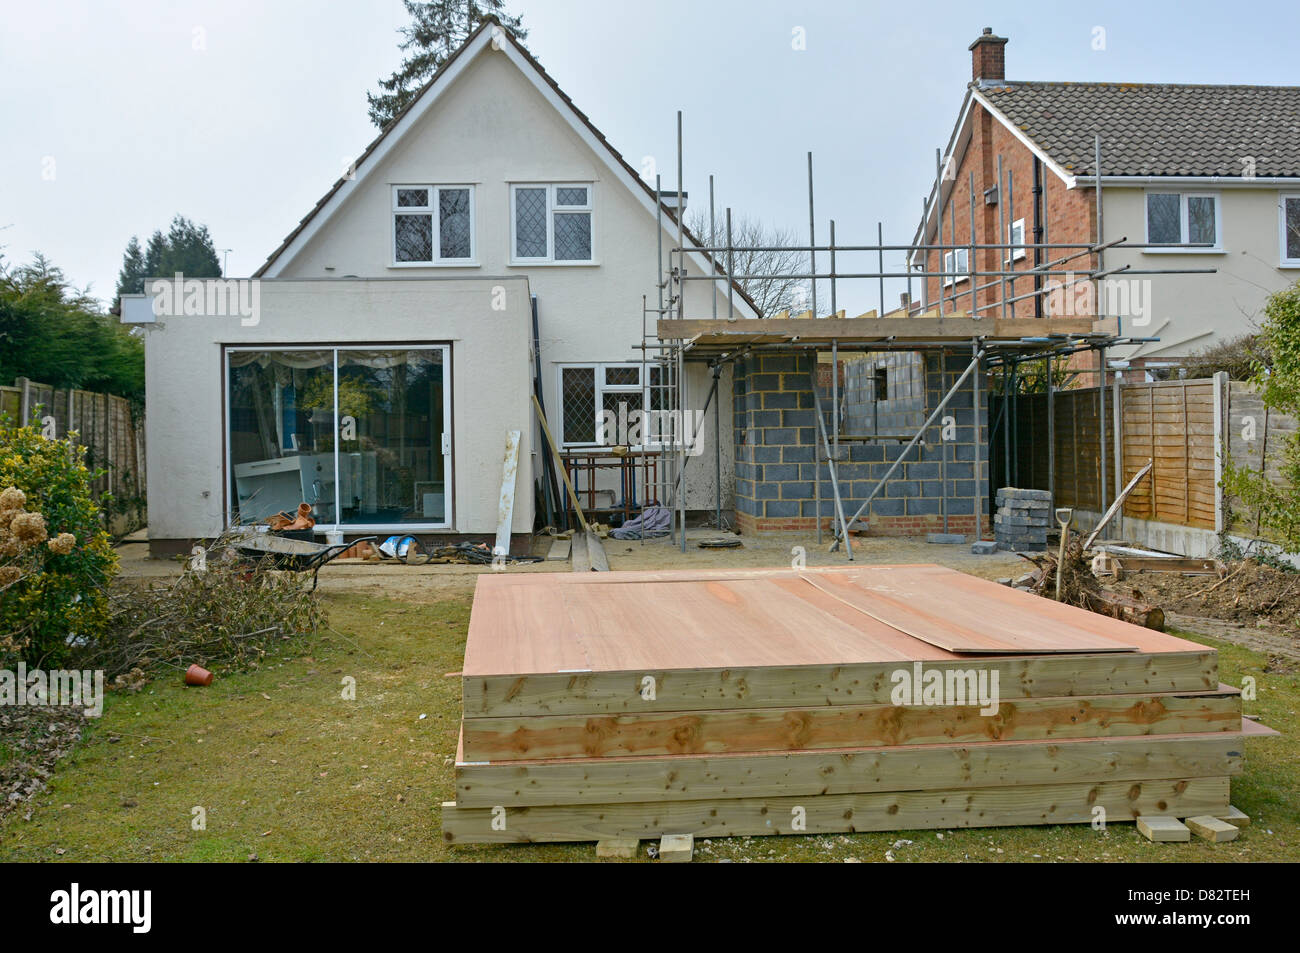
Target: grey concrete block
947, 539
984, 547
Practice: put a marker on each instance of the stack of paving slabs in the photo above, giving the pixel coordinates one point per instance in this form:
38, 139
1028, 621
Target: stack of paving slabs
715, 703
1022, 519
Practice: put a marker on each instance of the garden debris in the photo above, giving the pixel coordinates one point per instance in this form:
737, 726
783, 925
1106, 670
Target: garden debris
476, 553
1079, 587
286, 521
34, 737
1250, 592
224, 618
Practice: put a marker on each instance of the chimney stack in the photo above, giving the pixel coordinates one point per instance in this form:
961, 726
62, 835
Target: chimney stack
988, 59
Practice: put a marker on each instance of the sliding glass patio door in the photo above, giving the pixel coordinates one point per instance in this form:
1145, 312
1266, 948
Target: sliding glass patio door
363, 434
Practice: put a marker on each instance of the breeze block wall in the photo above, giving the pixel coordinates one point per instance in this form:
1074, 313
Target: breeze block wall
776, 439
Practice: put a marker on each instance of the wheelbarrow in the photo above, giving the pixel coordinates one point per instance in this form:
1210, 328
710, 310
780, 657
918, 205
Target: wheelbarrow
295, 555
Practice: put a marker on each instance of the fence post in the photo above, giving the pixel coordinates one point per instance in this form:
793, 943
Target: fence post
24, 400
1220, 446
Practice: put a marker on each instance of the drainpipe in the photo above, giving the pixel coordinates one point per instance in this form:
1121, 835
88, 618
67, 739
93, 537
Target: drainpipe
1038, 236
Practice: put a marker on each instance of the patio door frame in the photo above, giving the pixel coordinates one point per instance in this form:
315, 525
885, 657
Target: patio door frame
334, 349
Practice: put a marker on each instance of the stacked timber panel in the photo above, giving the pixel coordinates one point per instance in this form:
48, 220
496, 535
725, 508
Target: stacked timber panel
775, 702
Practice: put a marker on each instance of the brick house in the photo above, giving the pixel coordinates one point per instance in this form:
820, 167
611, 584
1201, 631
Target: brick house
1212, 167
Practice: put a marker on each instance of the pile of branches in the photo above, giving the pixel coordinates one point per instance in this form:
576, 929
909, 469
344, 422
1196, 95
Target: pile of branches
1079, 587
219, 614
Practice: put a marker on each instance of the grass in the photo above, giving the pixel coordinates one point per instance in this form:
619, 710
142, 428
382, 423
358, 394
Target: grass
285, 769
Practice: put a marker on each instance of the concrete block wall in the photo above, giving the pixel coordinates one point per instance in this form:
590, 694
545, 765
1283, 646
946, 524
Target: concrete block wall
776, 468
903, 412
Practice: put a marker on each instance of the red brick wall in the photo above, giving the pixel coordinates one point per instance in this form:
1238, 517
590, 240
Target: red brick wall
1070, 218
875, 526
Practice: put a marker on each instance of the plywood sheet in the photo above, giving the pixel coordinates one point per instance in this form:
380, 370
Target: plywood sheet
943, 608
680, 620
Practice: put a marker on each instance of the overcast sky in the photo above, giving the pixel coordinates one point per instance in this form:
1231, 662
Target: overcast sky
239, 115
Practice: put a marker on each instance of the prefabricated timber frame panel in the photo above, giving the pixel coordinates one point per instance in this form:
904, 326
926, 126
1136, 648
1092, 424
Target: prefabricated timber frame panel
846, 770
680, 641
1072, 803
959, 328
653, 734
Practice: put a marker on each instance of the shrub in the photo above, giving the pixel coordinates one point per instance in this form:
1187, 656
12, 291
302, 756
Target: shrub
57, 586
1278, 504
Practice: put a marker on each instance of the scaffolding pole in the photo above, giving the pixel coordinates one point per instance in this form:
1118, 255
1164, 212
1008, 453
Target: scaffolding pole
830, 465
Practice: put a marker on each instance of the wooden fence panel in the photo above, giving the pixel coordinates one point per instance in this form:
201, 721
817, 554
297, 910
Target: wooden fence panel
1170, 422
105, 425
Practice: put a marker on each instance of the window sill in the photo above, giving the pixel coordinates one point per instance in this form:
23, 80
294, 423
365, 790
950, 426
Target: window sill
433, 264
1290, 265
525, 263
1184, 251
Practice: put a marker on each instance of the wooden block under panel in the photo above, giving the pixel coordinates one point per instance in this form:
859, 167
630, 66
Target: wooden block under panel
1212, 829
1162, 828
617, 848
1234, 817
676, 848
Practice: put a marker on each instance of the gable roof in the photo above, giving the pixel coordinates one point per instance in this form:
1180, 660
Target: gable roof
475, 43
1157, 129
1147, 130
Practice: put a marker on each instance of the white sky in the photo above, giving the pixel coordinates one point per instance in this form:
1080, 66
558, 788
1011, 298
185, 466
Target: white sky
247, 131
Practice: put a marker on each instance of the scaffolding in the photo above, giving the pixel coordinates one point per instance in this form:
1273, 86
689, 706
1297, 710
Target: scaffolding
994, 338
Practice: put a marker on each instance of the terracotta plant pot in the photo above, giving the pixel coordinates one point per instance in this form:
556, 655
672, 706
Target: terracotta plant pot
197, 675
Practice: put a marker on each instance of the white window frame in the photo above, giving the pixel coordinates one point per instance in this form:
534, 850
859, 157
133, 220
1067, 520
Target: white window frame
598, 377
1282, 199
552, 209
433, 211
1215, 249
1017, 252
954, 272
448, 453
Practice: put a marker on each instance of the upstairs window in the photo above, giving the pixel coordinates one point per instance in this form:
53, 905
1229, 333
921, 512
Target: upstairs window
433, 224
1016, 239
1181, 218
956, 266
1289, 209
551, 223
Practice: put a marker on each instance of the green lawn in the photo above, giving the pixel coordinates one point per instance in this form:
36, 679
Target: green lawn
287, 770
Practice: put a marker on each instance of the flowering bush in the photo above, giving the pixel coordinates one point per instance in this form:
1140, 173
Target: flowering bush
55, 556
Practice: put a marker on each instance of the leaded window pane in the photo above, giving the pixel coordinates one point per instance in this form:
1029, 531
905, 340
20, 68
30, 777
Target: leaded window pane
571, 195
622, 376
1163, 226
412, 198
530, 223
573, 236
414, 237
453, 223
579, 399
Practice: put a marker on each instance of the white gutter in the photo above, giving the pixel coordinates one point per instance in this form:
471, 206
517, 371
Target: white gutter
1216, 180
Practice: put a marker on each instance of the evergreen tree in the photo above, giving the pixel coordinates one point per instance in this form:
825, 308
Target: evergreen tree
186, 248
437, 29
130, 280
